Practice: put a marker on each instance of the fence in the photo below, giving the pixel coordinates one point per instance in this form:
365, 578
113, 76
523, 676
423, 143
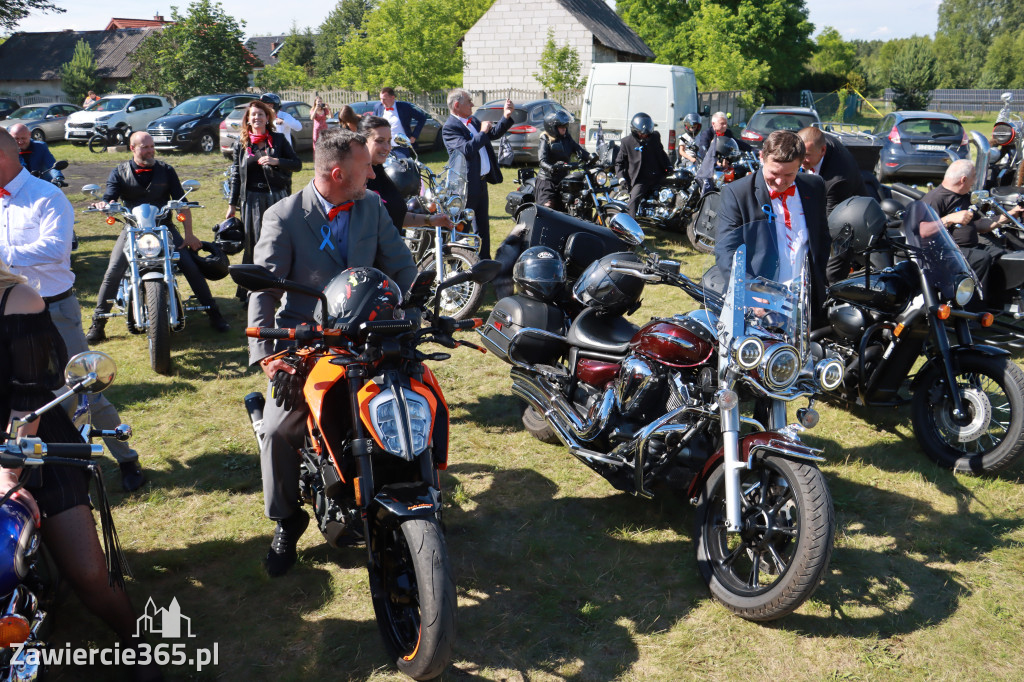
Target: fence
726, 101
967, 100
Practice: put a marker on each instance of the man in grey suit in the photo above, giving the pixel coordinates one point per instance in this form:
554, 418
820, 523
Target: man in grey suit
311, 236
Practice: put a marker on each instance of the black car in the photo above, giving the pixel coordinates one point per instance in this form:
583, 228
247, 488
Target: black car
7, 106
527, 125
767, 120
195, 123
430, 136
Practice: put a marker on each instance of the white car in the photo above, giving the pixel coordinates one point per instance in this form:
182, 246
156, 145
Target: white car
123, 112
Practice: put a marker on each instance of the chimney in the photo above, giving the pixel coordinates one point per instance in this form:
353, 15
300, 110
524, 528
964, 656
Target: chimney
158, 17
273, 46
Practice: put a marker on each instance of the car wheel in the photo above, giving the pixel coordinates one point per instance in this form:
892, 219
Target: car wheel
880, 171
39, 135
206, 142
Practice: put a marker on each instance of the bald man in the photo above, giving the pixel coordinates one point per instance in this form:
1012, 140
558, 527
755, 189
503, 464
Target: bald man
826, 156
34, 155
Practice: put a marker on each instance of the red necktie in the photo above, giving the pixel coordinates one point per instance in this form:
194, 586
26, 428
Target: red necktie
4, 193
333, 213
785, 211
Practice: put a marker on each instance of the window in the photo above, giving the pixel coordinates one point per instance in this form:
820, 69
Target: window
301, 111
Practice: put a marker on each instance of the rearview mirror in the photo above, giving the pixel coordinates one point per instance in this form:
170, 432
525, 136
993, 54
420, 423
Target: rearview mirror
60, 165
94, 366
400, 141
90, 189
979, 196
190, 185
626, 228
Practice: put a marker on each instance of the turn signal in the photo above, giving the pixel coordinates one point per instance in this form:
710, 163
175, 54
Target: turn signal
728, 400
358, 491
943, 312
110, 220
899, 329
987, 319
180, 217
14, 629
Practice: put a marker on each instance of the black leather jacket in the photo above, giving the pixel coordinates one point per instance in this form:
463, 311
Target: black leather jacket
553, 151
123, 185
277, 177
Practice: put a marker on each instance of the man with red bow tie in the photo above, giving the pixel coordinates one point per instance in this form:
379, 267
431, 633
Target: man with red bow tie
309, 237
402, 116
719, 128
144, 180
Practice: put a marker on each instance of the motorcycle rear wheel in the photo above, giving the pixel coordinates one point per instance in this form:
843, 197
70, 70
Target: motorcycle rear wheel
538, 427
98, 144
774, 564
461, 300
992, 389
159, 330
416, 603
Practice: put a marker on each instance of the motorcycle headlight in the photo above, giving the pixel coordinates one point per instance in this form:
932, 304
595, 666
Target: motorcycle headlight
829, 373
666, 195
455, 204
395, 425
780, 367
748, 352
964, 291
148, 246
602, 178
469, 214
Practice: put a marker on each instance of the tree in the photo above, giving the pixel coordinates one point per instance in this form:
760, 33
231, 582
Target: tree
559, 67
298, 50
966, 30
1004, 63
200, 52
79, 76
914, 72
13, 11
345, 19
281, 76
833, 55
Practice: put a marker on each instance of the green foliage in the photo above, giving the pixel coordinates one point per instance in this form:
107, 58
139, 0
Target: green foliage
966, 30
299, 49
78, 76
1004, 63
914, 72
346, 17
201, 52
559, 67
13, 11
281, 76
833, 55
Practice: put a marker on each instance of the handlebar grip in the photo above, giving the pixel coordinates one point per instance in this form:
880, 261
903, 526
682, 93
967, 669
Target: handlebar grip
387, 326
269, 333
628, 265
76, 450
471, 323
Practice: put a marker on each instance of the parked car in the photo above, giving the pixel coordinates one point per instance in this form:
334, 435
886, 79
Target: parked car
430, 136
45, 121
195, 123
767, 120
7, 106
527, 124
115, 111
914, 145
231, 127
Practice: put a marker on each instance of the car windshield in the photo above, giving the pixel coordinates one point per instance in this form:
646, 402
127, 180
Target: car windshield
781, 121
110, 104
29, 112
194, 106
361, 108
931, 127
498, 113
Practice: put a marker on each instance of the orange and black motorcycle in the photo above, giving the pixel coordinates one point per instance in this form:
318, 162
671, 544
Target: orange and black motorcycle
377, 435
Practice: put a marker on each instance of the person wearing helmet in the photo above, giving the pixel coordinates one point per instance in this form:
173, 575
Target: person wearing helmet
377, 132
719, 128
284, 122
642, 162
332, 224
556, 151
691, 129
403, 118
826, 156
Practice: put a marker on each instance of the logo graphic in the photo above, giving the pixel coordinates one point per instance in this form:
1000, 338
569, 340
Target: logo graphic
168, 623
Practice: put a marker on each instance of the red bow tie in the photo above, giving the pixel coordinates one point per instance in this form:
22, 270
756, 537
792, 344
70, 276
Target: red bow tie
138, 171
785, 193
4, 193
389, 108
333, 213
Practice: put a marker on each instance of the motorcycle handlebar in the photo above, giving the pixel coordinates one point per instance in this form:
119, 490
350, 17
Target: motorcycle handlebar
75, 450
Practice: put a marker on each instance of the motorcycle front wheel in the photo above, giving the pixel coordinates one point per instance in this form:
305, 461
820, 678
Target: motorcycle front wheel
98, 144
159, 330
775, 562
415, 605
461, 300
991, 435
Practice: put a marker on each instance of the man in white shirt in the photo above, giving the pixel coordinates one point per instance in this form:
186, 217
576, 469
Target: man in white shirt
284, 122
404, 118
36, 223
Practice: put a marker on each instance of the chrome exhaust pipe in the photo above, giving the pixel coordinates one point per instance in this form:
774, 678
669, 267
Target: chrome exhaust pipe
584, 430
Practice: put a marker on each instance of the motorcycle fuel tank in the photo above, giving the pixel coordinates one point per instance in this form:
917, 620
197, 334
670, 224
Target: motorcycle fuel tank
679, 342
885, 292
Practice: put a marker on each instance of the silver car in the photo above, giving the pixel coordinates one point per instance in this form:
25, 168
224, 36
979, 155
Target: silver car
45, 121
231, 127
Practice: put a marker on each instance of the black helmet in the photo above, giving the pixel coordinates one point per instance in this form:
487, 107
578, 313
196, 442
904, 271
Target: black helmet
539, 273
404, 174
692, 124
854, 222
214, 266
608, 291
230, 235
358, 295
554, 120
273, 100
641, 125
726, 148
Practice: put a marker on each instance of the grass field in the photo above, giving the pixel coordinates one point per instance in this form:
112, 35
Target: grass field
559, 576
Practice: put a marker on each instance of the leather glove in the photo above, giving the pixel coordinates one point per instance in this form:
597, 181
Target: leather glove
286, 389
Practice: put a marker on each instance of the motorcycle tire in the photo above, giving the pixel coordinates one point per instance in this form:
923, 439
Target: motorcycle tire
776, 563
159, 330
98, 144
993, 392
461, 300
702, 243
606, 214
416, 600
538, 427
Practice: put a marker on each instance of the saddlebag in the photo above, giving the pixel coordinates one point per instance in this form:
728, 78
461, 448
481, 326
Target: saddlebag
516, 198
510, 316
547, 227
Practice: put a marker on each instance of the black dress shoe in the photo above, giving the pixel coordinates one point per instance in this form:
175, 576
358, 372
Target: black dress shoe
132, 476
218, 322
95, 334
282, 554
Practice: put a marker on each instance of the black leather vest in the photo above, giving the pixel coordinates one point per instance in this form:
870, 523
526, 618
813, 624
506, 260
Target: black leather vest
132, 193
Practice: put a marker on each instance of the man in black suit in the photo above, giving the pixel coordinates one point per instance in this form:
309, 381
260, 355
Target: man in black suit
465, 133
404, 119
642, 162
719, 128
826, 156
791, 208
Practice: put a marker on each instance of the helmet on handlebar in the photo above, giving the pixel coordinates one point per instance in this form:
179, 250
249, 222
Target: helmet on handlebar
726, 148
358, 295
854, 222
273, 100
405, 175
229, 235
692, 124
539, 273
641, 125
609, 291
214, 266
554, 121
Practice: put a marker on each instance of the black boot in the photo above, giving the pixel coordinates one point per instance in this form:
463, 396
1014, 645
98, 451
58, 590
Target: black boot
217, 320
132, 476
282, 554
96, 333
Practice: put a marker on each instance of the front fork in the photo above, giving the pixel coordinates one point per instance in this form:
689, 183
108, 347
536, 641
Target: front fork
730, 422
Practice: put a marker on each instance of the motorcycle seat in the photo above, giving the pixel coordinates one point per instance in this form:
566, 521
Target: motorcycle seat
1007, 195
609, 334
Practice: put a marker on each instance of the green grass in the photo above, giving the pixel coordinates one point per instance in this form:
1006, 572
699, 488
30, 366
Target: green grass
559, 576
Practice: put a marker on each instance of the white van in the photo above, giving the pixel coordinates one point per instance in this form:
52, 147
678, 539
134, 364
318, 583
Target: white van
618, 90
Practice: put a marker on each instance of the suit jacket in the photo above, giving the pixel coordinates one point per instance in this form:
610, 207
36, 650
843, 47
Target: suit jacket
289, 246
456, 136
37, 157
649, 163
741, 204
707, 136
406, 114
841, 174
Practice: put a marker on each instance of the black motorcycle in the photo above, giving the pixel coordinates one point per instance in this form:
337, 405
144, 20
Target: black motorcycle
699, 215
967, 400
585, 191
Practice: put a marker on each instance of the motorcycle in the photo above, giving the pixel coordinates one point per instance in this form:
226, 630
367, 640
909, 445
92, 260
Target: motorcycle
105, 137
374, 479
967, 400
655, 410
53, 175
1008, 136
29, 579
700, 209
148, 296
585, 191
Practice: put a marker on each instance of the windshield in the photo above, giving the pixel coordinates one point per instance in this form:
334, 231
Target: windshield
110, 104
29, 112
769, 122
942, 261
195, 106
454, 175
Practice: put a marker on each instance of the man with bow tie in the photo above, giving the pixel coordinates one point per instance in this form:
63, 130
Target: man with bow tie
402, 116
145, 180
309, 237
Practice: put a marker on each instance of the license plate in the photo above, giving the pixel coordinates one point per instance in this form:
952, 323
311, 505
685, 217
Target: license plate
161, 138
609, 136
76, 133
931, 148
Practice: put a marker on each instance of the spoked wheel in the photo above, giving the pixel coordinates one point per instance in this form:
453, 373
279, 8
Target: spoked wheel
159, 331
775, 562
461, 300
606, 213
415, 602
991, 434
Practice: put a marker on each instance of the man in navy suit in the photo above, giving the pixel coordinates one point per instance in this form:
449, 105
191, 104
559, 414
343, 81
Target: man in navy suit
402, 116
465, 133
826, 156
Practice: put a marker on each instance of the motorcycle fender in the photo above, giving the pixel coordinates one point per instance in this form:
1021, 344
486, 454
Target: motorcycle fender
440, 433
151, 275
405, 501
956, 354
752, 445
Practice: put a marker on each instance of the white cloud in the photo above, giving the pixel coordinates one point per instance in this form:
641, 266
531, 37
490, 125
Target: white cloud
881, 31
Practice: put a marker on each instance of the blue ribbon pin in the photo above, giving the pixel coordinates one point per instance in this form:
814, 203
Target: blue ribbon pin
325, 232
768, 212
